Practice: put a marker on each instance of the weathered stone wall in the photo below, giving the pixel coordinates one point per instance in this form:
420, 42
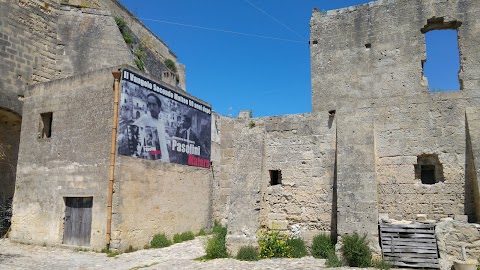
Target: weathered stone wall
42, 41
356, 182
344, 70
472, 166
154, 197
245, 196
452, 237
435, 125
222, 158
302, 149
367, 65
28, 35
73, 162
88, 40
158, 50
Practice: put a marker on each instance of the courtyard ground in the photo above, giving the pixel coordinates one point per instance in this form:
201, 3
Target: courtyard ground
178, 256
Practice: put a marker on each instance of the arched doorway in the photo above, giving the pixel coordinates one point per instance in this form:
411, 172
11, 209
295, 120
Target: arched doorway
10, 124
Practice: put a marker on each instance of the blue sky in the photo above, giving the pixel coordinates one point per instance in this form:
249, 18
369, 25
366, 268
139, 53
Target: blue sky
266, 68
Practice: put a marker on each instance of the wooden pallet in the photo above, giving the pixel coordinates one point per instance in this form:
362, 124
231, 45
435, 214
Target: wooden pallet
409, 245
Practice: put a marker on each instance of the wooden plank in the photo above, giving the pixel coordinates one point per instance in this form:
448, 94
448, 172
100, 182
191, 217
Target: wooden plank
409, 240
410, 235
413, 225
412, 255
86, 221
408, 230
405, 259
401, 250
416, 265
411, 245
407, 250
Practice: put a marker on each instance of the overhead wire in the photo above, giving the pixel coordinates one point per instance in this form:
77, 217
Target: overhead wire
224, 31
273, 18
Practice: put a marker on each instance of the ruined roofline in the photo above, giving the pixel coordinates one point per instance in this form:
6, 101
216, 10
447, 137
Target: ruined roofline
348, 9
133, 16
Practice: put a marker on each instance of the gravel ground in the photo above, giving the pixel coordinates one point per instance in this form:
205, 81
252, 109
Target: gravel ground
178, 256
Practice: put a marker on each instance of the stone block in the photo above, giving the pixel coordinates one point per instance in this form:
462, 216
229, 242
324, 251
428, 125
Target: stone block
382, 216
462, 218
280, 225
421, 217
276, 216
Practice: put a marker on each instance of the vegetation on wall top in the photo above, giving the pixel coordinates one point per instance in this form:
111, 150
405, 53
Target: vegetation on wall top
171, 65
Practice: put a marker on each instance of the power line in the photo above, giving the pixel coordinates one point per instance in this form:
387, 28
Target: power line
273, 18
223, 31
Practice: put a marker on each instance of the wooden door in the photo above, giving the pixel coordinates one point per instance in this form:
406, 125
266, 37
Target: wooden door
78, 221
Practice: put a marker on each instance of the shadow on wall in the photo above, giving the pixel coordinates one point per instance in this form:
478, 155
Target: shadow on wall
10, 124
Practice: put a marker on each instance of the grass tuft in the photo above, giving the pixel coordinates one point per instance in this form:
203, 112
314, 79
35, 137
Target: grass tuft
322, 245
160, 240
182, 237
355, 250
247, 253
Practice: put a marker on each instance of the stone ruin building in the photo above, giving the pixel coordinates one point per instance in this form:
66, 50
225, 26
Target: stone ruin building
377, 145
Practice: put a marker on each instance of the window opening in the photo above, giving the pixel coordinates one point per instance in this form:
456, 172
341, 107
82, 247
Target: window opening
46, 125
275, 177
442, 64
428, 174
429, 169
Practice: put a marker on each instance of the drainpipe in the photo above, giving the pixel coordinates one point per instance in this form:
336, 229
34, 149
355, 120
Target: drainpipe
116, 74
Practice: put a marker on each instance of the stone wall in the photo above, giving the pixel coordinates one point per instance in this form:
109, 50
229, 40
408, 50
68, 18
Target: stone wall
158, 51
432, 126
154, 197
472, 166
367, 65
88, 40
375, 51
452, 238
28, 35
73, 162
301, 148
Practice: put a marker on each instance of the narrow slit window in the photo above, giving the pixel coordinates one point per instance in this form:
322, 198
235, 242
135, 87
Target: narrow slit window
46, 125
275, 177
442, 64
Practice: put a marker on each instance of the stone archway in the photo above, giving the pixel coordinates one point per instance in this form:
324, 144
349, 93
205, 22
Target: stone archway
10, 124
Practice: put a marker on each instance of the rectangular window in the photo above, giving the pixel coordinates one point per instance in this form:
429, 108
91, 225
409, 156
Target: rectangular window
442, 65
45, 125
428, 174
275, 177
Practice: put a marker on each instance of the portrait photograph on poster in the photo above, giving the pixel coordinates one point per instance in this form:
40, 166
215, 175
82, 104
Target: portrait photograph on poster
158, 123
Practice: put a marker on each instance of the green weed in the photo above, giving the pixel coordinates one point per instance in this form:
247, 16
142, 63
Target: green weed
182, 237
160, 240
247, 253
355, 250
322, 245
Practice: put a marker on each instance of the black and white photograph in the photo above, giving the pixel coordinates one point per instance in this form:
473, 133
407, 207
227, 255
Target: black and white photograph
157, 123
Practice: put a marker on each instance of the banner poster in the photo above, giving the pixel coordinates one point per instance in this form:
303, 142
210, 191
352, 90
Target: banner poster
157, 123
